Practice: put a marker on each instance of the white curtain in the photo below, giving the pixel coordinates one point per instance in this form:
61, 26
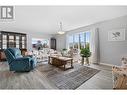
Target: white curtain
94, 45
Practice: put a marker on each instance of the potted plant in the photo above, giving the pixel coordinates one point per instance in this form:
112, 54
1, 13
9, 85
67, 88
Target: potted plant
85, 53
64, 49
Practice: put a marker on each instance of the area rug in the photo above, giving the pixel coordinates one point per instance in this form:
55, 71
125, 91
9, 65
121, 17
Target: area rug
71, 80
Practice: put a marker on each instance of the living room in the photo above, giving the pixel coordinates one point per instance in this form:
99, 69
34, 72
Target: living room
66, 47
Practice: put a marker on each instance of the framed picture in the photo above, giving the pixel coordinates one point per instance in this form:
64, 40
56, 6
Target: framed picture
116, 35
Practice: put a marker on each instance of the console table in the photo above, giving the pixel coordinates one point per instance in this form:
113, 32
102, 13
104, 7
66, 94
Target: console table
61, 61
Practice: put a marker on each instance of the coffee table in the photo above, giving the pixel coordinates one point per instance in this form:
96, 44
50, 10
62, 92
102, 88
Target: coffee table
61, 61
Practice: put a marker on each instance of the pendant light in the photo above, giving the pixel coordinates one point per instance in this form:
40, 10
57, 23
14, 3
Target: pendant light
60, 31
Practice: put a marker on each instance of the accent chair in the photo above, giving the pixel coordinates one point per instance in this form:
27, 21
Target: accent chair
17, 62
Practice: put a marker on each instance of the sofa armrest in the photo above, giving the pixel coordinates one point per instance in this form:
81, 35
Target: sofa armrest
21, 61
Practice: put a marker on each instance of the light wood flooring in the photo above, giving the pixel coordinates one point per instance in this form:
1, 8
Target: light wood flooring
38, 80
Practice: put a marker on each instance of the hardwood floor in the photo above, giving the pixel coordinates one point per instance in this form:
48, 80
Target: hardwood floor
38, 80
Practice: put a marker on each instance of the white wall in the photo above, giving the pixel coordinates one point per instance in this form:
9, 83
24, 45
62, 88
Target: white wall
110, 52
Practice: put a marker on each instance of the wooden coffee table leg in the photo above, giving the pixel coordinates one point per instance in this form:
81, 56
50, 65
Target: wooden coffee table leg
49, 60
64, 67
72, 63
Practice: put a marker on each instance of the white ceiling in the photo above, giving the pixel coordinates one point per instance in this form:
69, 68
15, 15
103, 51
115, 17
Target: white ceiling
46, 19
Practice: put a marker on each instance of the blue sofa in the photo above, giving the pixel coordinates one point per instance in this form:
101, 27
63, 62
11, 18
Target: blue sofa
17, 62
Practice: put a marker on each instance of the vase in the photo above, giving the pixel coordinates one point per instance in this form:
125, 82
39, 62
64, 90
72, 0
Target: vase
82, 60
87, 60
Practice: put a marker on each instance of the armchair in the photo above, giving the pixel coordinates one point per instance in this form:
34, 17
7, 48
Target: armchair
17, 62
74, 53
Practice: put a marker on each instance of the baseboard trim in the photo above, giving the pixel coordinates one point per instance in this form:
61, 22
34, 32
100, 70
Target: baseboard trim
106, 64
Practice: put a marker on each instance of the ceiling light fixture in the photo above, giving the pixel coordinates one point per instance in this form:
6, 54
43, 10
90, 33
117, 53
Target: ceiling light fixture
61, 31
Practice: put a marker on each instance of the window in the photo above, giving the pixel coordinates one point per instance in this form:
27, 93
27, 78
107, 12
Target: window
17, 41
87, 39
12, 39
76, 41
11, 42
40, 43
4, 37
71, 41
79, 40
82, 40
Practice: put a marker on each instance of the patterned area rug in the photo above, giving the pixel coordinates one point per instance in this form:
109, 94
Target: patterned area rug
71, 80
